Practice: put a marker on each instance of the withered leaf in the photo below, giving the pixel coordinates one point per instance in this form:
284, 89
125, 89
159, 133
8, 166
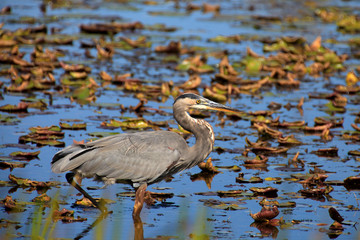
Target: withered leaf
11, 205
21, 107
267, 213
74, 126
208, 166
265, 191
25, 155
335, 215
327, 152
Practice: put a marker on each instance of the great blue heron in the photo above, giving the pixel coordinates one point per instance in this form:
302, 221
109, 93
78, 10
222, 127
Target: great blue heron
141, 158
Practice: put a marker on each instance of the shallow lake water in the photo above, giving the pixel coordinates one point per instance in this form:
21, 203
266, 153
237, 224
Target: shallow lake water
197, 209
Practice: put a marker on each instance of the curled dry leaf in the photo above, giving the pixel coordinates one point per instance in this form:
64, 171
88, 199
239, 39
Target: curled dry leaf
193, 82
265, 131
289, 141
11, 205
43, 198
317, 129
105, 76
208, 166
267, 213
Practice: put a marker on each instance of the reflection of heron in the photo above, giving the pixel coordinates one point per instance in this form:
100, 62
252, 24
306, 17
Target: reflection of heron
141, 158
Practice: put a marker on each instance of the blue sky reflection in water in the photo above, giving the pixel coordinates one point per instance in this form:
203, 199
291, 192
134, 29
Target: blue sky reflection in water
188, 214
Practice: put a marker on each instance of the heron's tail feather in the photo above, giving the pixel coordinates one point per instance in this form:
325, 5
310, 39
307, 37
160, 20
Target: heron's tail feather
65, 160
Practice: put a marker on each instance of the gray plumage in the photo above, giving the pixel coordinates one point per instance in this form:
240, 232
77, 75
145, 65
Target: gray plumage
142, 158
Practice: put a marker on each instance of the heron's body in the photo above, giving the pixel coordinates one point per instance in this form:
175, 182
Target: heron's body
141, 158
118, 158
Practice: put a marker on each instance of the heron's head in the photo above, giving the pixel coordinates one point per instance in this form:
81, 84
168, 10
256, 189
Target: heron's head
193, 101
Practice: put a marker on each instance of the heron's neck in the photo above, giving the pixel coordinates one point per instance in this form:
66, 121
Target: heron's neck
204, 135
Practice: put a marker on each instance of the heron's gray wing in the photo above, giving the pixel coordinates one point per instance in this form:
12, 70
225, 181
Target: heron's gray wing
138, 157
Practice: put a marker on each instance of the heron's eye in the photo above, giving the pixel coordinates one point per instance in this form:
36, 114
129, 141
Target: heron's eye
198, 101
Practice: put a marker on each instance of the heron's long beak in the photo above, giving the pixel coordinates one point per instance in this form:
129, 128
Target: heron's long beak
210, 105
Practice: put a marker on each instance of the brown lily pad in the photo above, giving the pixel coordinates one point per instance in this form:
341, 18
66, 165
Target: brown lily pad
25, 155
265, 191
327, 152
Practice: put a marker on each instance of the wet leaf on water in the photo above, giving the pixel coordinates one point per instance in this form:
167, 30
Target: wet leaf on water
260, 159
226, 39
105, 76
11, 165
43, 198
21, 107
347, 89
12, 205
132, 123
326, 152
193, 82
233, 168
160, 196
267, 213
335, 122
224, 206
74, 126
289, 141
253, 179
269, 150
172, 47
23, 182
313, 192
352, 182
265, 131
208, 166
265, 191
8, 120
317, 129
66, 216
354, 152
230, 193
25, 155
335, 215
110, 28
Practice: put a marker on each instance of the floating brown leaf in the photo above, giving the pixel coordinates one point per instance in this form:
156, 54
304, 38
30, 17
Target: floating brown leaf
265, 191
267, 213
327, 152
208, 166
335, 215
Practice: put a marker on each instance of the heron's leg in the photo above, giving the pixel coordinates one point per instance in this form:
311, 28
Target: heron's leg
139, 201
70, 178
